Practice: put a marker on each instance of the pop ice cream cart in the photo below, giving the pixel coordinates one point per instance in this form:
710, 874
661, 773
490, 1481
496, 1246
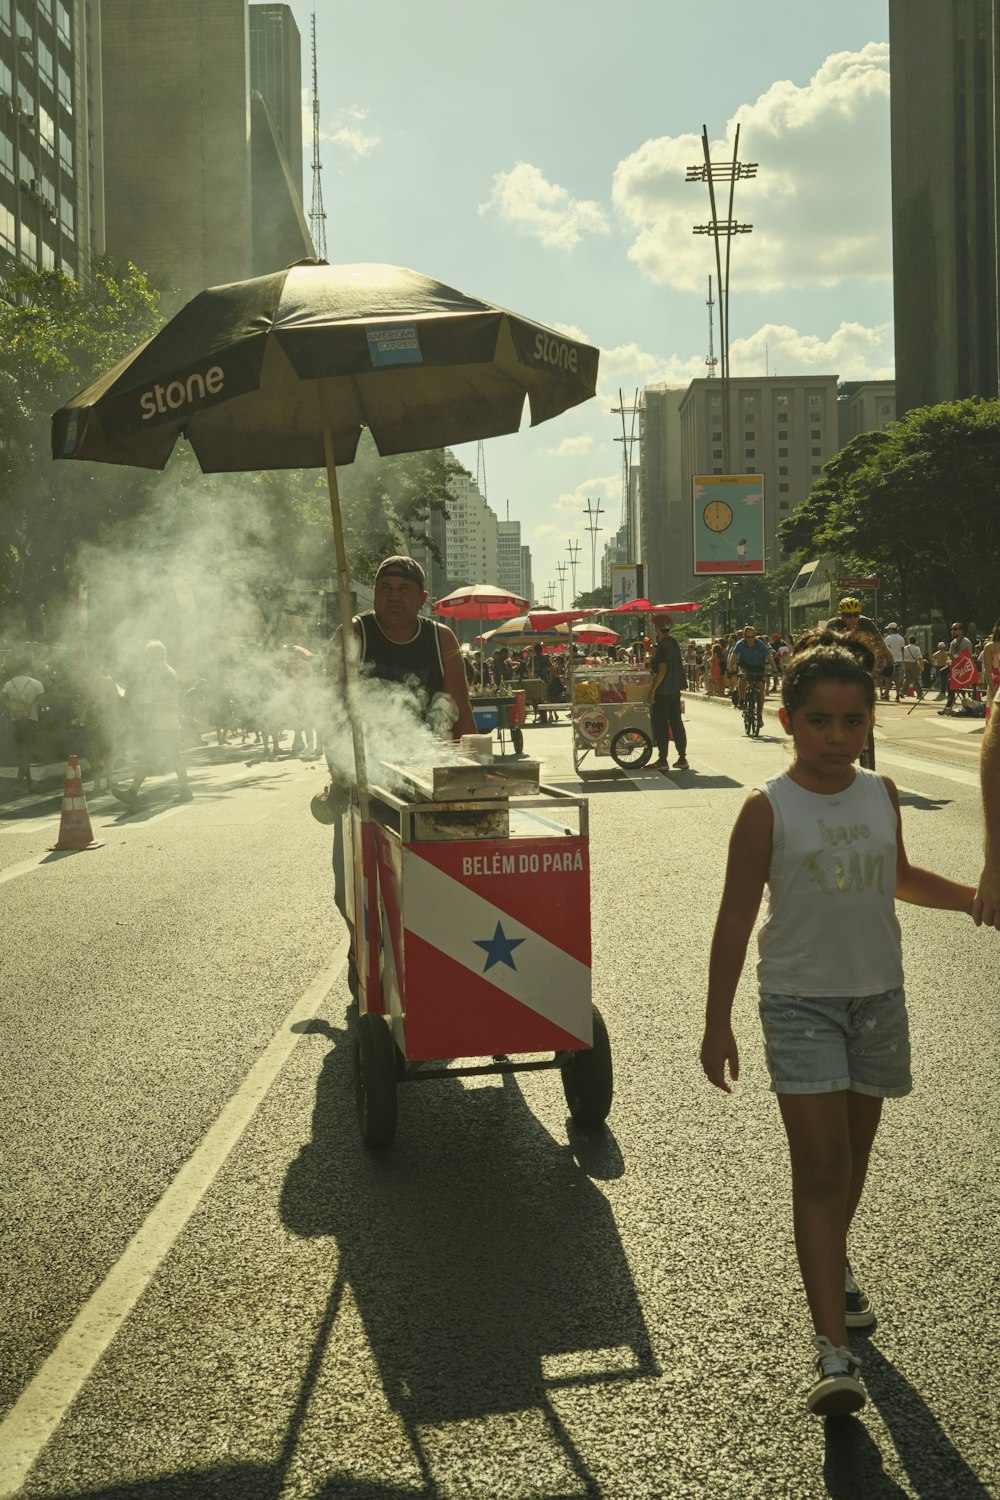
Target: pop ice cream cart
611, 716
470, 903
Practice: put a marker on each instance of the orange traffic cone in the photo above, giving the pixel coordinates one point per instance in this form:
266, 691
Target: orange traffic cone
75, 831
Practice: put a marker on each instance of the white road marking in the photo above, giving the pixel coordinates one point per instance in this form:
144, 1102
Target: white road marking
43, 1403
928, 767
24, 868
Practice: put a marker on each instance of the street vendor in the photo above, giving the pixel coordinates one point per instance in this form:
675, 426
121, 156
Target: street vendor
398, 644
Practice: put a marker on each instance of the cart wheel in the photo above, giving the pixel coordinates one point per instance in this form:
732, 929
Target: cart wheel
588, 1078
375, 1080
517, 739
631, 749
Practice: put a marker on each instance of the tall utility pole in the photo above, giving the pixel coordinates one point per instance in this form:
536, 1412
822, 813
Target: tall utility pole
573, 548
627, 439
317, 216
593, 513
561, 570
722, 229
711, 361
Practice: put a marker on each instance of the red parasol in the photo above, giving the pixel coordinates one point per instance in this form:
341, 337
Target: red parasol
480, 601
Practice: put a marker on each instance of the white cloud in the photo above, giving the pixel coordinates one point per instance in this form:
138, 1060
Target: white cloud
349, 135
852, 351
601, 489
819, 204
524, 198
572, 447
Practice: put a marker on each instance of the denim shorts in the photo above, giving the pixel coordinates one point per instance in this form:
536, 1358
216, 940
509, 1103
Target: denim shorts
820, 1046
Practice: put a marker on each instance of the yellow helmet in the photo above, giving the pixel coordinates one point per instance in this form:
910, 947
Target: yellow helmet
850, 606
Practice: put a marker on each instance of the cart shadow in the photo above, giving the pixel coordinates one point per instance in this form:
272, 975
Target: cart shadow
485, 1264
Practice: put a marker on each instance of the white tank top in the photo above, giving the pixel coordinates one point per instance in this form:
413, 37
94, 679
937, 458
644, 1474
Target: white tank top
831, 926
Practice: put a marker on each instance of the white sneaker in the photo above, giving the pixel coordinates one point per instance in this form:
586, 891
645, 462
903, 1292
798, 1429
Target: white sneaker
837, 1389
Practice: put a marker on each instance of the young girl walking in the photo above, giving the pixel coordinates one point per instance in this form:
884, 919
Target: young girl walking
825, 838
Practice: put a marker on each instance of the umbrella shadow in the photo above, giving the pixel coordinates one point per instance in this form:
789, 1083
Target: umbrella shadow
485, 1264
933, 1464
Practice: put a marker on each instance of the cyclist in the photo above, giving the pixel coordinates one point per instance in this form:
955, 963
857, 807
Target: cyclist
751, 657
849, 618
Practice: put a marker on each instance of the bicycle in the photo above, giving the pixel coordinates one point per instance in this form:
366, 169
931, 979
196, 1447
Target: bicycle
753, 705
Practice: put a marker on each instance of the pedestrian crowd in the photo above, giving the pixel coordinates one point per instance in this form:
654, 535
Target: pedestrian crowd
142, 714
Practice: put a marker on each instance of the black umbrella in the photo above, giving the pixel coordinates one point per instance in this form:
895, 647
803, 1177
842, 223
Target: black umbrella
237, 372
284, 371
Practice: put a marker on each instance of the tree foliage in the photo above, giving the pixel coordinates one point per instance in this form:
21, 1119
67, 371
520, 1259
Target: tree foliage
919, 504
56, 335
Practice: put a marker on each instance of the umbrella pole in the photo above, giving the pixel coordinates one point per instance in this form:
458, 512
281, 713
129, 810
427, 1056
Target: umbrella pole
352, 680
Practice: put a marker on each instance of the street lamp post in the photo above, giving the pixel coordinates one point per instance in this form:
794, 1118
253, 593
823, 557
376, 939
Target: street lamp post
573, 548
592, 513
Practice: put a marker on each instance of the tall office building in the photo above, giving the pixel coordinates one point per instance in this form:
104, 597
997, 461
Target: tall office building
945, 94
199, 189
276, 74
784, 428
509, 563
51, 195
527, 582
472, 534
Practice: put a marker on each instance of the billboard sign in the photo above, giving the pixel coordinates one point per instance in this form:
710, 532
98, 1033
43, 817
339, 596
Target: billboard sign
626, 582
728, 523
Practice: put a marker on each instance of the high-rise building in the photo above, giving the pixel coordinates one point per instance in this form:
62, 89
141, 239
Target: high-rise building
784, 428
199, 189
527, 583
865, 406
51, 193
472, 534
276, 74
945, 95
510, 571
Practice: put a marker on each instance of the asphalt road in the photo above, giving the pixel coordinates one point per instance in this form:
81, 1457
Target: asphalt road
210, 1288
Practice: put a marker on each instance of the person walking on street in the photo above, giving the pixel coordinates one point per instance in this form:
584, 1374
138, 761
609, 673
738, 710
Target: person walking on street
825, 837
24, 694
986, 906
664, 697
895, 642
959, 642
991, 667
913, 667
939, 665
100, 718
160, 733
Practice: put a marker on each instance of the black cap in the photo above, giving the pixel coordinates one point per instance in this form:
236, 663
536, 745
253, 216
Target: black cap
401, 567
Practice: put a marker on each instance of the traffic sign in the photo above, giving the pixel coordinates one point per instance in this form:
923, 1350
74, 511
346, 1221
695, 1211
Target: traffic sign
857, 583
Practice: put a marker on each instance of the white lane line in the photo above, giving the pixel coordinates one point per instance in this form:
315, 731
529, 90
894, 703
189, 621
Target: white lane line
24, 868
43, 1403
928, 767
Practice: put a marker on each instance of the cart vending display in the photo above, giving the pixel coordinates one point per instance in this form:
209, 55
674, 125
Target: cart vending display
505, 712
470, 902
611, 715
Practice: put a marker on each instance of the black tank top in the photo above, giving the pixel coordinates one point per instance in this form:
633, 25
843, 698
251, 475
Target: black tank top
416, 661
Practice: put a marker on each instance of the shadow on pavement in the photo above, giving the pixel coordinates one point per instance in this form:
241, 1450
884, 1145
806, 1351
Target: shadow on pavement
237, 1482
485, 1264
852, 1468
924, 804
933, 1464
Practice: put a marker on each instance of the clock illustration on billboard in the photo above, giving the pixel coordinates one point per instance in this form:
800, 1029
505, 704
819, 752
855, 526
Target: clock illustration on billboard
717, 515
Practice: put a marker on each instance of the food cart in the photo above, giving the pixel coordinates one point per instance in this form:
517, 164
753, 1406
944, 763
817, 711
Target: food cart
610, 715
470, 903
505, 712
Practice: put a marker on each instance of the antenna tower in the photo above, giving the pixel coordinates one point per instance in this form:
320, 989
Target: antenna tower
481, 472
711, 361
317, 216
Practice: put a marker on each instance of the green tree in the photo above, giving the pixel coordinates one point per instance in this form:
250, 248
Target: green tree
56, 335
387, 503
599, 598
916, 504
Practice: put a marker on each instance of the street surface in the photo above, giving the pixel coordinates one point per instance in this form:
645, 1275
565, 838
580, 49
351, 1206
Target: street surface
211, 1288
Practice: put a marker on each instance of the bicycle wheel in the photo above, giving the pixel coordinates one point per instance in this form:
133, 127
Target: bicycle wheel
758, 711
748, 711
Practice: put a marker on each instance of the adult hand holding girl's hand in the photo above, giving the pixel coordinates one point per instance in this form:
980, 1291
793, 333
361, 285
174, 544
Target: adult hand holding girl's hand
718, 1047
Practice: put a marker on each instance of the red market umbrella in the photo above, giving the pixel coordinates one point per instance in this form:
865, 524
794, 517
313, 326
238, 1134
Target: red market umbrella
480, 601
643, 607
595, 635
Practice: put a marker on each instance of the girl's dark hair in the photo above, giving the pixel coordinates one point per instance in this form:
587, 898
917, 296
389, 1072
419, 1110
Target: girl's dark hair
827, 656
996, 631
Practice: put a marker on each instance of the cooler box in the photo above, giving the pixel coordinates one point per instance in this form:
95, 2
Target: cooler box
487, 719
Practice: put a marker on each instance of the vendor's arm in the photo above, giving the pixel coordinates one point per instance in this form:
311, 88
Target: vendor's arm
455, 682
986, 908
661, 672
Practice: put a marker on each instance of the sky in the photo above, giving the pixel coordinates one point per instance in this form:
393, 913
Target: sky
533, 153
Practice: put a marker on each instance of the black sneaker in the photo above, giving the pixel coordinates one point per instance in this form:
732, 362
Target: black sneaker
129, 798
858, 1310
837, 1389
